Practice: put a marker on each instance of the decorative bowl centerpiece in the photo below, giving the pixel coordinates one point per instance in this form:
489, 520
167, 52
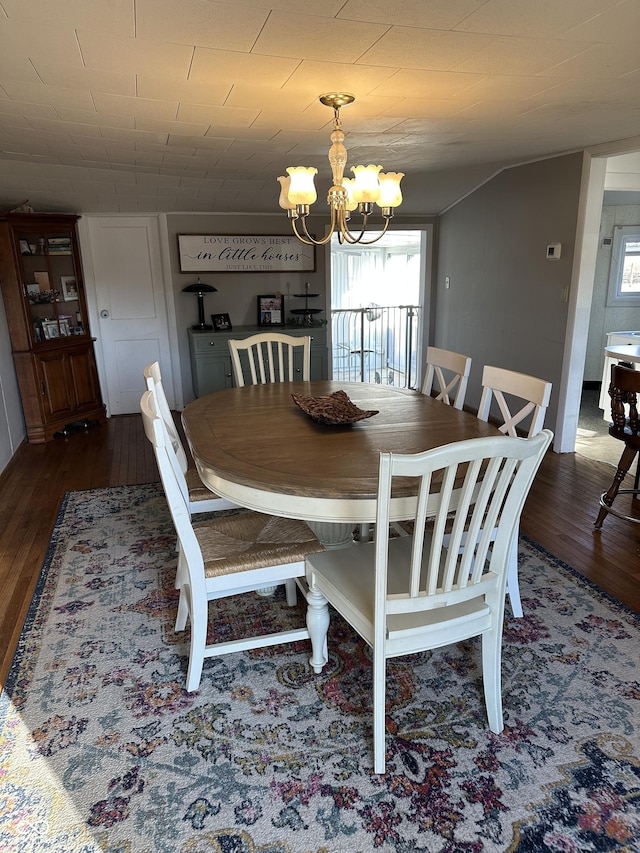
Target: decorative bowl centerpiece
334, 409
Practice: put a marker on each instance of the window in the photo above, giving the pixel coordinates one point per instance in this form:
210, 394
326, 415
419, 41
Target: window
624, 276
385, 273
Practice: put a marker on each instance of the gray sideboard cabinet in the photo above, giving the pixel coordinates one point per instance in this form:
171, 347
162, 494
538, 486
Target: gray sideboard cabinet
211, 361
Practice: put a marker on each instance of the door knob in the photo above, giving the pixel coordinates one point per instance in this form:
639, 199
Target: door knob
104, 314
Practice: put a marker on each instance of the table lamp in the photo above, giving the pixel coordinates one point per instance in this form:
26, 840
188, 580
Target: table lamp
200, 288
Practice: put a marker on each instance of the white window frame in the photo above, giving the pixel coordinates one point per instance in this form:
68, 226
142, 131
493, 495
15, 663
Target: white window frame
621, 236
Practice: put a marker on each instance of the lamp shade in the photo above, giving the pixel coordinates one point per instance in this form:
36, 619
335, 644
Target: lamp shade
349, 184
302, 189
199, 287
390, 192
285, 183
367, 185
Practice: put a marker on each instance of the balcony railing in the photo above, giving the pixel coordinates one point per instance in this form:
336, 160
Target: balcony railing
376, 344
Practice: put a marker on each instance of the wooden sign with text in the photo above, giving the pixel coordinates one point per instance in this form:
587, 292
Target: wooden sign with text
244, 253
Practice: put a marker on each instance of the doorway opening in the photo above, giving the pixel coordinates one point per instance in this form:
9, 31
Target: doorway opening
592, 435
614, 316
376, 309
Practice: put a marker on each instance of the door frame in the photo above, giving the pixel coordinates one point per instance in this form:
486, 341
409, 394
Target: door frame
581, 289
427, 291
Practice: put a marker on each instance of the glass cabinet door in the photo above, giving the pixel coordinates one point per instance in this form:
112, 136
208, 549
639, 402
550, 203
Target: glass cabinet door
52, 290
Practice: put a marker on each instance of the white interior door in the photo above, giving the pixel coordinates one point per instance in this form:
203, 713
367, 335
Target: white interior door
126, 268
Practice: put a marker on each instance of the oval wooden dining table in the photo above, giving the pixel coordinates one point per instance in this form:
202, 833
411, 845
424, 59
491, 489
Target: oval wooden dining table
255, 447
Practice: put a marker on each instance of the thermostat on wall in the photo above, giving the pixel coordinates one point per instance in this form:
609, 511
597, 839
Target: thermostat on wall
553, 251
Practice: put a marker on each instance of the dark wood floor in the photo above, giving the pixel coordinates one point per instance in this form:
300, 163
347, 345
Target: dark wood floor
558, 515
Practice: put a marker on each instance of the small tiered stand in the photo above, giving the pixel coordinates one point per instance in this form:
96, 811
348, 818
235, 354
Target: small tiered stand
306, 313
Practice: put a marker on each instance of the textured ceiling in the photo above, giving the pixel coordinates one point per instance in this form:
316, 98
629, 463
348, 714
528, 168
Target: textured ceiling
196, 105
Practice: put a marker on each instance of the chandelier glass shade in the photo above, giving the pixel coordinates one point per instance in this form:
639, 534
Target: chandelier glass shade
369, 186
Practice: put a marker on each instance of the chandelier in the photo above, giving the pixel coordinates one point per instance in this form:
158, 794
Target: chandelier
370, 185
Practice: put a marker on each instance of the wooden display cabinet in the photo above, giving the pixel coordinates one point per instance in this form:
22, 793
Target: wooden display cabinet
45, 304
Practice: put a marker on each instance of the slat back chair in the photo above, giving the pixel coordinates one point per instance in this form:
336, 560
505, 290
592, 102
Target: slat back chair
153, 380
449, 372
528, 392
270, 358
199, 498
529, 396
625, 426
413, 593
227, 555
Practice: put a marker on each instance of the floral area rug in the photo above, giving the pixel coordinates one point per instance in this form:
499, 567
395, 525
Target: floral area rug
103, 750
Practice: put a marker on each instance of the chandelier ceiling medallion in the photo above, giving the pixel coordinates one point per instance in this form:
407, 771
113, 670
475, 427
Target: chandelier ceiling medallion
370, 185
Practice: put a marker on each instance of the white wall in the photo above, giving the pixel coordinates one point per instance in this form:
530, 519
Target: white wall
605, 319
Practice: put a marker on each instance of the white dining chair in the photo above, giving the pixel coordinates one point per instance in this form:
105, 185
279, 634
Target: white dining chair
449, 372
269, 357
199, 498
528, 394
410, 594
522, 402
226, 555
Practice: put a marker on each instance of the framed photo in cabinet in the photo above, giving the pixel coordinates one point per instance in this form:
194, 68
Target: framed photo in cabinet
69, 287
50, 329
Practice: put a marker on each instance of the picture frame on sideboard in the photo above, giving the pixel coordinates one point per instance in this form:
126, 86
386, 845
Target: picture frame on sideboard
221, 322
271, 309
